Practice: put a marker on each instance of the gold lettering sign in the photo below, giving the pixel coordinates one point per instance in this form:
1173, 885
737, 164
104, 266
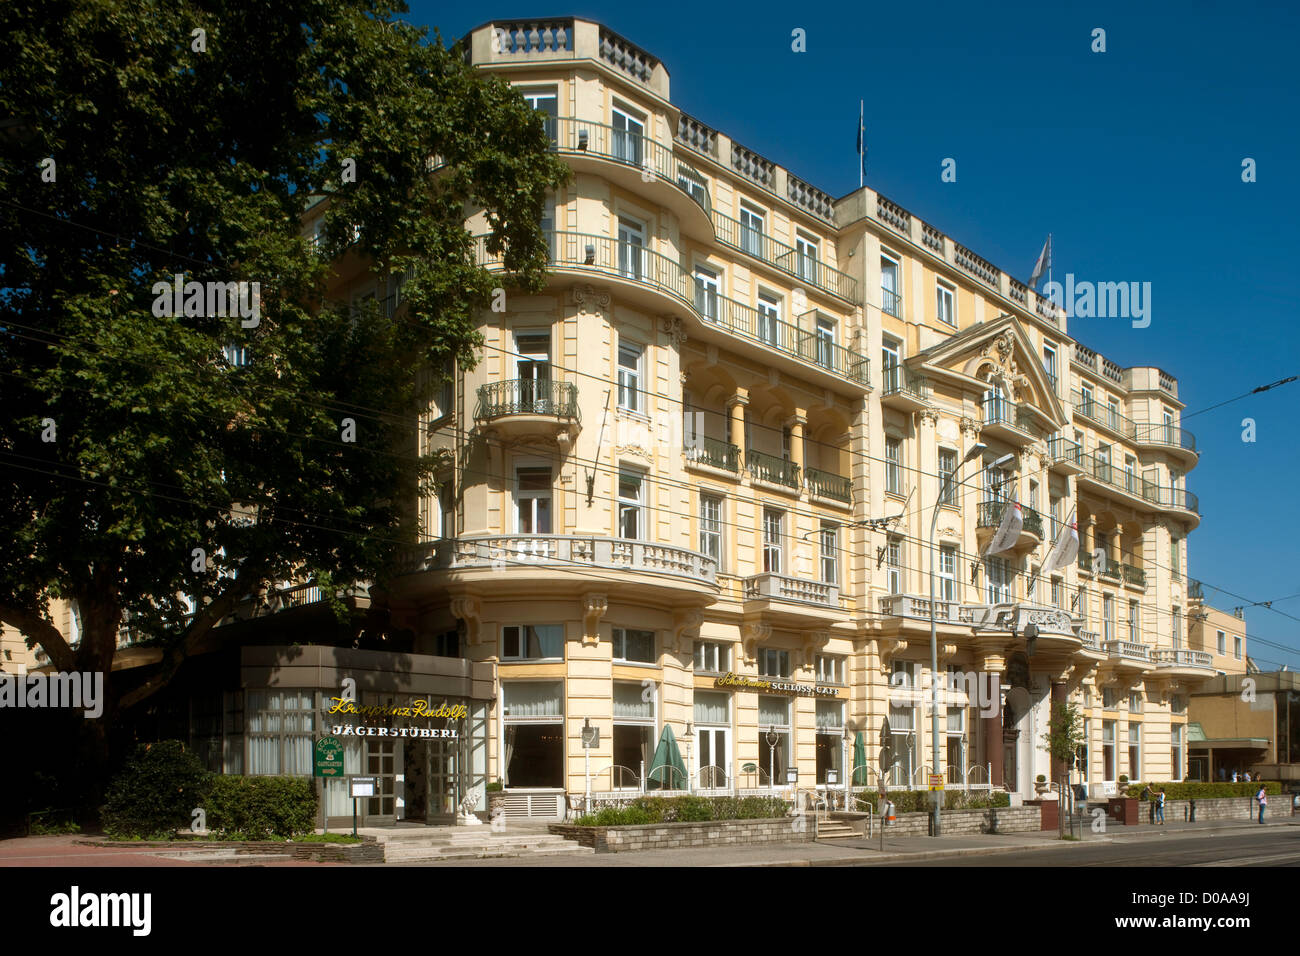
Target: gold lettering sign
776, 687
420, 708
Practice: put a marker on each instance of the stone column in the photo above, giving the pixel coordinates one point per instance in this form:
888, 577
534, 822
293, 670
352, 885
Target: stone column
736, 416
797, 423
994, 665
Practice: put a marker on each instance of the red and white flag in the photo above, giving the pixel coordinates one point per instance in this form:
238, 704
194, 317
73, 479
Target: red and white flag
1009, 530
1065, 550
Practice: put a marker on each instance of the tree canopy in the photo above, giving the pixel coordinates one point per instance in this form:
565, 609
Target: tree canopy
141, 140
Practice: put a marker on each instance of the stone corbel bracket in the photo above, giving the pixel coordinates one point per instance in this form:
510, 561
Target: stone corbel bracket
686, 627
466, 608
888, 648
594, 607
752, 634
813, 643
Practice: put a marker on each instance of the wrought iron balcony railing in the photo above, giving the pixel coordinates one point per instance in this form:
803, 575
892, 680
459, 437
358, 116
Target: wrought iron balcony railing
714, 453
1166, 435
990, 513
1134, 575
769, 468
901, 380
827, 485
527, 397
758, 244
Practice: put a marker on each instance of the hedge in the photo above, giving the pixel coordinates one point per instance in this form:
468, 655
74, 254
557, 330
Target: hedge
687, 809
918, 801
155, 792
1188, 790
258, 808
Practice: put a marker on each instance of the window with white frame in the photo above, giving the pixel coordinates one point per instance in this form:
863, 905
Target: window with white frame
830, 669
533, 748
825, 342
1135, 702
712, 657
1108, 749
1223, 643
773, 540
1134, 751
1107, 617
628, 135
1049, 366
1236, 647
711, 527
532, 500
631, 248
280, 729
769, 317
828, 740
894, 466
634, 734
1175, 554
945, 302
773, 663
1177, 628
706, 293
1176, 750
1134, 621
1057, 595
947, 573
947, 476
1109, 698
751, 230
806, 253
630, 356
634, 645
903, 674
532, 642
890, 291
894, 564
1031, 583
773, 738
998, 574
631, 504
828, 546
890, 364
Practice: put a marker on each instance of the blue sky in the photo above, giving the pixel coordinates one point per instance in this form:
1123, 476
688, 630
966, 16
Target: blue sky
1130, 158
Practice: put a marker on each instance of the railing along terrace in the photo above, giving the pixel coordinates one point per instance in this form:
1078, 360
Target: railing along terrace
1128, 649
714, 453
523, 37
981, 268
1182, 657
1064, 449
699, 137
565, 551
893, 215
1134, 575
527, 397
575, 135
1107, 473
1104, 415
810, 198
828, 485
627, 56
1085, 356
1161, 434
769, 468
901, 380
990, 514
761, 246
891, 302
790, 589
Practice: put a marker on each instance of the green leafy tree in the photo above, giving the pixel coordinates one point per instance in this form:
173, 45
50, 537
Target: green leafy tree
145, 139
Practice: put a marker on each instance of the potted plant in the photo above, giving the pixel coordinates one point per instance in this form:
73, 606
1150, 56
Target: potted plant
1123, 785
1040, 784
496, 795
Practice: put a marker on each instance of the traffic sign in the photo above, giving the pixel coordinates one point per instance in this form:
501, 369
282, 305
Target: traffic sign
329, 757
936, 781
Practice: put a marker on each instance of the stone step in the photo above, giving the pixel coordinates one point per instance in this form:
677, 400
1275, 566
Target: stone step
540, 840
832, 830
433, 854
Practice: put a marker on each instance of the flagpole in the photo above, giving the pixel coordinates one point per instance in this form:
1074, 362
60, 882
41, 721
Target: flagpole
861, 142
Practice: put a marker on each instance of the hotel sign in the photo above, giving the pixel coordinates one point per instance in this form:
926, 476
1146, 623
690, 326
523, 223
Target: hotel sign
775, 686
329, 757
418, 708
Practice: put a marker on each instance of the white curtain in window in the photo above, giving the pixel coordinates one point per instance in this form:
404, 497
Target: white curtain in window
830, 715
711, 708
628, 702
533, 699
773, 710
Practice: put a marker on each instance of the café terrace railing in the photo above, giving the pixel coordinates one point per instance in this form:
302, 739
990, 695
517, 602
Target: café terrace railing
628, 260
755, 242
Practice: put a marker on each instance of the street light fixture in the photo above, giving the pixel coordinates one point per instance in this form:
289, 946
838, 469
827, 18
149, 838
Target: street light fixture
936, 798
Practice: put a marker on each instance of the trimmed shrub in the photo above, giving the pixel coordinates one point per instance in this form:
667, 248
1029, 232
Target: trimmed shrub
1189, 790
685, 809
260, 808
918, 801
152, 796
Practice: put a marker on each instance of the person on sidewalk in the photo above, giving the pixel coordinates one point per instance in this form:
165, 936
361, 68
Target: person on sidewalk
1262, 799
1150, 797
1234, 776
1160, 807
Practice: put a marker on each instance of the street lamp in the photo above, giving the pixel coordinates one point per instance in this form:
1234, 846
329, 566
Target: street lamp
690, 731
771, 756
936, 798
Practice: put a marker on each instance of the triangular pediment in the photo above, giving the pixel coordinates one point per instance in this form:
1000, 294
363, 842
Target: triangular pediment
997, 352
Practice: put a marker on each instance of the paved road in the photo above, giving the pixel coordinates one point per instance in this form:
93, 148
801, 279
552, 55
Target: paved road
1244, 847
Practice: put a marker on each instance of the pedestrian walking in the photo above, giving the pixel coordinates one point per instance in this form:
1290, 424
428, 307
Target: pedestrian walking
1262, 799
1150, 797
1160, 807
1234, 776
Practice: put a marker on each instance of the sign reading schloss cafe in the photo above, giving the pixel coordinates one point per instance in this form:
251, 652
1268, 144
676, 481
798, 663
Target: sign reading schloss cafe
419, 708
775, 686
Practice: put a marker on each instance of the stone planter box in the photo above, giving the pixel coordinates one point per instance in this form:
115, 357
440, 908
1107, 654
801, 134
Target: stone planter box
659, 836
369, 850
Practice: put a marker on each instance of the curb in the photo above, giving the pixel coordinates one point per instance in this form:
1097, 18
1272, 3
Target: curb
922, 855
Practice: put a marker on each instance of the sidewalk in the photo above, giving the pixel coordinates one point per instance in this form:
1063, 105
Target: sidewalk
67, 850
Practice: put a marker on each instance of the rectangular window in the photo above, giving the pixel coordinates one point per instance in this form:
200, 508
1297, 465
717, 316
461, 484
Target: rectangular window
773, 739
711, 527
629, 136
534, 733
830, 551
533, 500
706, 293
891, 300
1134, 751
830, 669
1108, 698
1056, 592
773, 663
894, 466
948, 476
629, 376
1085, 400
999, 578
1108, 749
1134, 622
635, 646
630, 505
631, 249
712, 657
948, 573
1177, 628
1135, 702
280, 727
769, 317
1175, 555
1107, 617
890, 359
806, 250
1176, 750
825, 342
1113, 415
1049, 366
773, 540
894, 559
751, 230
531, 642
945, 302
1236, 647
1223, 643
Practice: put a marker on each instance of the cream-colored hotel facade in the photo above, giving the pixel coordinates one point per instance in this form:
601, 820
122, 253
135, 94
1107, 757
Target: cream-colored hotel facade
666, 461
666, 465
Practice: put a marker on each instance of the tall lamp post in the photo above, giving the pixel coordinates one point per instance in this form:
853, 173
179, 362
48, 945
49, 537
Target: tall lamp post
936, 797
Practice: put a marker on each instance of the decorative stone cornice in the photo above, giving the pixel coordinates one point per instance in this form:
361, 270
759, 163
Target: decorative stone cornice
971, 427
752, 634
686, 627
673, 327
929, 416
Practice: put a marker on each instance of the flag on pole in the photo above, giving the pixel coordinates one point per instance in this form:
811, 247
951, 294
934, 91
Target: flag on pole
1043, 264
1065, 549
862, 144
1009, 530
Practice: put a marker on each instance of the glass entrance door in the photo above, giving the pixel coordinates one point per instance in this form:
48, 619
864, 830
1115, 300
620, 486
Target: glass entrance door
444, 776
383, 762
714, 757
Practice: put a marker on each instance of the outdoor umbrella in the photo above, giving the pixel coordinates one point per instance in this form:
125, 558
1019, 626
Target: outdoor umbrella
859, 761
667, 756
